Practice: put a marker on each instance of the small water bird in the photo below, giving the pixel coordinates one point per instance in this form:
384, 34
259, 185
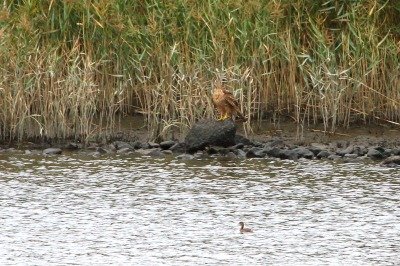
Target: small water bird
244, 230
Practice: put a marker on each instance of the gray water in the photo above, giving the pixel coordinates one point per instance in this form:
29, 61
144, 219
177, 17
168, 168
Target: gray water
80, 210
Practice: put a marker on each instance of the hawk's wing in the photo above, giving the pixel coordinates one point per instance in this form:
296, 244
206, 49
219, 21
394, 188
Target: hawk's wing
233, 103
230, 99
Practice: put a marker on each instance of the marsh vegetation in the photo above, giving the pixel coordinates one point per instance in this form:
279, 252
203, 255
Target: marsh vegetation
70, 68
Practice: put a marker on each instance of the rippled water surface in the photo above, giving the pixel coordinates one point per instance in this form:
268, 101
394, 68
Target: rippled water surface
141, 211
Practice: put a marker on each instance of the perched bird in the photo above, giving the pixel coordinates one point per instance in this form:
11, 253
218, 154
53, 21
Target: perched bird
225, 103
244, 230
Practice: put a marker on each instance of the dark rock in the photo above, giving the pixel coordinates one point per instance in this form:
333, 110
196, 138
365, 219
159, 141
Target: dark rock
256, 144
122, 145
165, 145
360, 150
93, 146
166, 151
255, 152
375, 154
391, 161
72, 146
124, 150
240, 153
342, 144
243, 140
289, 154
316, 148
334, 157
323, 154
250, 154
101, 150
274, 152
154, 152
224, 151
387, 153
336, 145
137, 145
277, 152
231, 155
303, 153
199, 154
153, 145
52, 151
348, 150
212, 150
145, 146
112, 147
396, 151
210, 132
351, 155
246, 148
275, 143
237, 146
178, 147
380, 149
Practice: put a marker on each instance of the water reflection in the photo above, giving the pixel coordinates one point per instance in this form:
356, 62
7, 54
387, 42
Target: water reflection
121, 210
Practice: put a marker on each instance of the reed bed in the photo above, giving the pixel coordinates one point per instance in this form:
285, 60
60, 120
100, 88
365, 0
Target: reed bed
70, 68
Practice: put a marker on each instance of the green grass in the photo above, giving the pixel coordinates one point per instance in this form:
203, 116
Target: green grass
69, 68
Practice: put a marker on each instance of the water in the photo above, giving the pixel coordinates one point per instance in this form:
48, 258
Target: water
80, 210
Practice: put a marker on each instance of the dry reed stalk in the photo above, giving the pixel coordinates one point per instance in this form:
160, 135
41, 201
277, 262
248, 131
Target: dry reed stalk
70, 69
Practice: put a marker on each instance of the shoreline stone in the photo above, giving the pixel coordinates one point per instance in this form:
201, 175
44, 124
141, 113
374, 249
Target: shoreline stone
210, 132
392, 161
388, 157
221, 140
52, 151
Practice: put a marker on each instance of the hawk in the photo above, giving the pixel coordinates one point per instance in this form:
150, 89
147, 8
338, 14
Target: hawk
226, 104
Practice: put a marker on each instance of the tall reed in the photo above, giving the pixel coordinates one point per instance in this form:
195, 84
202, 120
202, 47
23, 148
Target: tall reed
69, 68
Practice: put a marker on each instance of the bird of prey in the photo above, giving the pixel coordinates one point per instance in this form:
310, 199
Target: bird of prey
226, 104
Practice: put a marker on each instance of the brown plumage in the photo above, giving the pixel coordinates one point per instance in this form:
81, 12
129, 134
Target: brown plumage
244, 230
226, 104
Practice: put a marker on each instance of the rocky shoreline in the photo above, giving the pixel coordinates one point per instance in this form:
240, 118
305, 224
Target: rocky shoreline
219, 139
273, 148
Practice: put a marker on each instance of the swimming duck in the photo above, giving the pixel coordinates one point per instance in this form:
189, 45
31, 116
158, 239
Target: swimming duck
244, 230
